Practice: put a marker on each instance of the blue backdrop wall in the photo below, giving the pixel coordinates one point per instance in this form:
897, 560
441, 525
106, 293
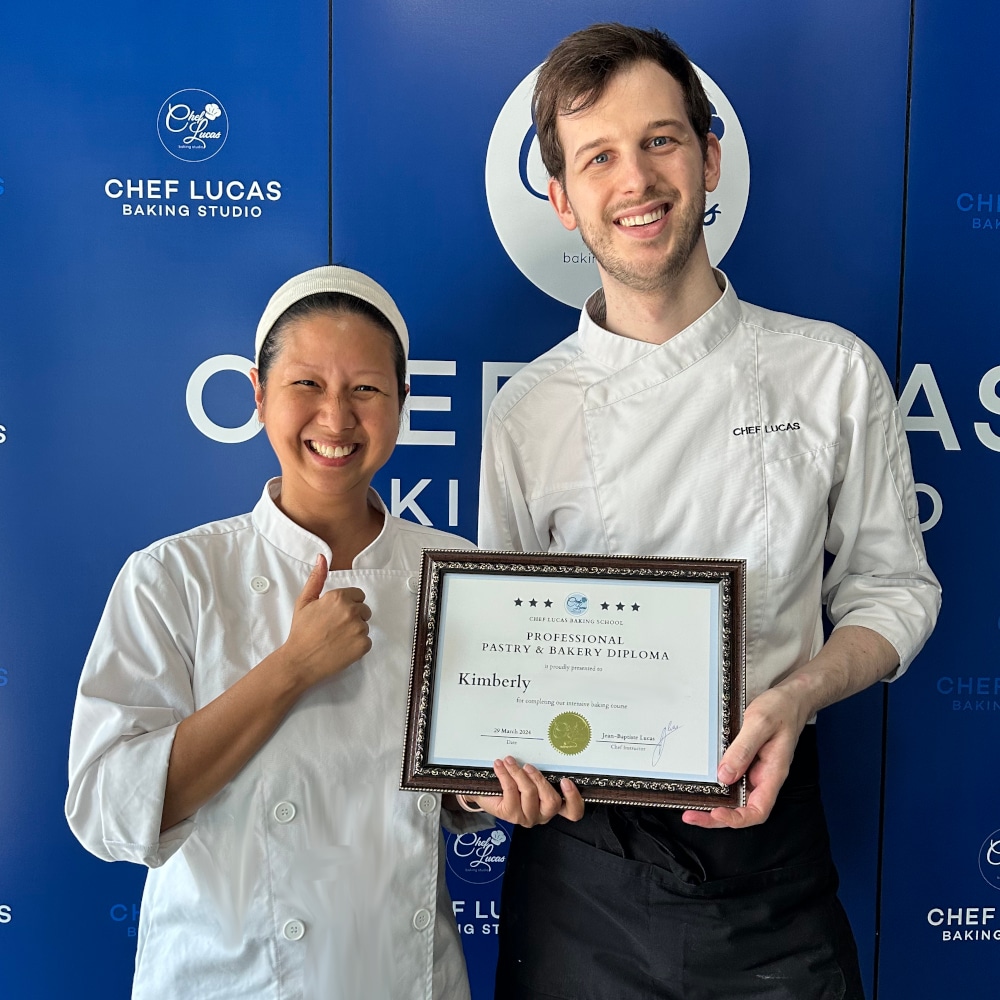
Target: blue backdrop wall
859, 186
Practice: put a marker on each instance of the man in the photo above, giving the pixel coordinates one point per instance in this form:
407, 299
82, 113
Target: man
681, 421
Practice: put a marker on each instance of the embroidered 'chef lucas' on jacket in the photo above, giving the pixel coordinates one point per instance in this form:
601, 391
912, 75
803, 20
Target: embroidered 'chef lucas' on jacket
310, 874
752, 435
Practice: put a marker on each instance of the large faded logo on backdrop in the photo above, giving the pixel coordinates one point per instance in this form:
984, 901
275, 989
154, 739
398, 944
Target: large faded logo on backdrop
556, 259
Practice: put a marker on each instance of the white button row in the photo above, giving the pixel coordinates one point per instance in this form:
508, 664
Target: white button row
261, 584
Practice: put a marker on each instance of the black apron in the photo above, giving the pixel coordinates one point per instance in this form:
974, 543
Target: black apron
632, 904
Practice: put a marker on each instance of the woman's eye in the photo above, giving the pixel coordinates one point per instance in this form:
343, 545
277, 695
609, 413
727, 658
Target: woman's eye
600, 158
305, 381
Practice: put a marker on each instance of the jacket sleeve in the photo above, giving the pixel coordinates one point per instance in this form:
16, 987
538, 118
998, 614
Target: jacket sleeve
135, 688
879, 577
505, 520
459, 821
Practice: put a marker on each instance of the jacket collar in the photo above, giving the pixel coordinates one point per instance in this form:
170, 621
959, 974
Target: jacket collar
685, 348
292, 539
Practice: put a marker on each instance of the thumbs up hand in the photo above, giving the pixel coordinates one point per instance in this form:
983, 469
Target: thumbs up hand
329, 631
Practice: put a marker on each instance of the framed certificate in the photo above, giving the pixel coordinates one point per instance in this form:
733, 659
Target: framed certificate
623, 673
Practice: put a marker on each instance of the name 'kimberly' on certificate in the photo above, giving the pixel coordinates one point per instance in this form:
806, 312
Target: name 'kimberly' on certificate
598, 674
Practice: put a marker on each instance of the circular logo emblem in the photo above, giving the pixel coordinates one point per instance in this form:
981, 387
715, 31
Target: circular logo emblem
192, 125
555, 259
989, 859
569, 733
480, 857
576, 604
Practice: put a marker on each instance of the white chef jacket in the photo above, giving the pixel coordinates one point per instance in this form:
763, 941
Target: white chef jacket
310, 875
749, 435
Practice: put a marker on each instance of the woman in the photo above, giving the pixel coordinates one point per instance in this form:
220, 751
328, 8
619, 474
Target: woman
238, 726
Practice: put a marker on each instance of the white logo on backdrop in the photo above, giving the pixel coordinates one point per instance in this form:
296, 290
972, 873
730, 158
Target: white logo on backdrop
192, 125
989, 859
478, 857
555, 259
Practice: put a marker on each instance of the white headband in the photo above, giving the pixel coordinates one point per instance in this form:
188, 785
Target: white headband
330, 279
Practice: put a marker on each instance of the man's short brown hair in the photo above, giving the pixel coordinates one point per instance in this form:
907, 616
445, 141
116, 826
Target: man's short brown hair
579, 69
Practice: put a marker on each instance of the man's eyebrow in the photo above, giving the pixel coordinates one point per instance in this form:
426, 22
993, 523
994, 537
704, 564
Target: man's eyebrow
593, 144
666, 123
650, 127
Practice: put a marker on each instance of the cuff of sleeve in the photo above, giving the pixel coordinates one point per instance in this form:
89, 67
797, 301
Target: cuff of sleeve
132, 785
458, 821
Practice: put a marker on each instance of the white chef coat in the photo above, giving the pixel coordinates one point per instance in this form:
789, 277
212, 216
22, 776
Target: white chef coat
310, 875
750, 434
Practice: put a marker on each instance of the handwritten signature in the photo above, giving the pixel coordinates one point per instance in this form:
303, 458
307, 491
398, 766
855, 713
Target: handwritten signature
670, 727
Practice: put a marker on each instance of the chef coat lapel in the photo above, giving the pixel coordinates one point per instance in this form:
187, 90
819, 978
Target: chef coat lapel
672, 414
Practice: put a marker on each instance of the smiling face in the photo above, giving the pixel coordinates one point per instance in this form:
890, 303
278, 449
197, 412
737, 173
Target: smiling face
636, 179
330, 407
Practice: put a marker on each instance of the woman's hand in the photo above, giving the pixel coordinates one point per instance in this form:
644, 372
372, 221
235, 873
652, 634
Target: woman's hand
329, 631
528, 799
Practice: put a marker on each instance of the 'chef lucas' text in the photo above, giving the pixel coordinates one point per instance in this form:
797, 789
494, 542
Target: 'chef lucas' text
766, 428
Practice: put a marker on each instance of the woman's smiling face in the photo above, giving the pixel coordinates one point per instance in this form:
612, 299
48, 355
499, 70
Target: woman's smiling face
330, 406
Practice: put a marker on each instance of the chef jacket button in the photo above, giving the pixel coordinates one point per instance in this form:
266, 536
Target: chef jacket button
284, 812
422, 919
260, 584
413, 584
295, 929
426, 803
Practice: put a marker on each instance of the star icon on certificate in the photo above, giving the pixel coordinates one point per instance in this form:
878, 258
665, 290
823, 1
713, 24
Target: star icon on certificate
605, 606
533, 603
548, 604
517, 601
620, 607
635, 607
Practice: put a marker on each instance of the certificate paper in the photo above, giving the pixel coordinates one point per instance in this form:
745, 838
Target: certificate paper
625, 674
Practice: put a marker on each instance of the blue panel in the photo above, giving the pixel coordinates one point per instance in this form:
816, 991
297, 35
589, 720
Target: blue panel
820, 91
103, 318
941, 904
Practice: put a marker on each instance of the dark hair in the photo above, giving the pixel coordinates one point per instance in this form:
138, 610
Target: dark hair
335, 304
579, 69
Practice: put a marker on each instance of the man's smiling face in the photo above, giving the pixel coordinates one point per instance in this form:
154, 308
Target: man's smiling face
636, 179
